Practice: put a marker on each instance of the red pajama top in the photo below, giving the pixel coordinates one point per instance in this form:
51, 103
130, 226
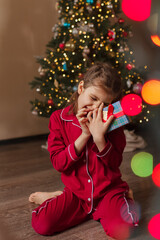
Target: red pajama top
92, 174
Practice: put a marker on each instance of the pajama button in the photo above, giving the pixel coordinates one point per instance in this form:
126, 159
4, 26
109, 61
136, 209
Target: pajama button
89, 199
89, 180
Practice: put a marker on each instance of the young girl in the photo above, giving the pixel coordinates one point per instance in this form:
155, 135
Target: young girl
88, 158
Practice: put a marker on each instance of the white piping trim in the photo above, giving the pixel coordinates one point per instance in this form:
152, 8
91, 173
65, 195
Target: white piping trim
63, 118
128, 209
104, 153
43, 206
90, 178
76, 125
70, 153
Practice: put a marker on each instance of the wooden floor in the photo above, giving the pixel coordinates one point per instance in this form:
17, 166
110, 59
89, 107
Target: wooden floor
25, 168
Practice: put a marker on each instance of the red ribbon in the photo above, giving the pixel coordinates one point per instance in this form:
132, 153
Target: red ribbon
119, 114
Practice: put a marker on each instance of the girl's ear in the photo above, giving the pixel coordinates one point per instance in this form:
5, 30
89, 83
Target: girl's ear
80, 87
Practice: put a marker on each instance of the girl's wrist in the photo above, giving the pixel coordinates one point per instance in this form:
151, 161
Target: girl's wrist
100, 143
80, 143
99, 139
85, 135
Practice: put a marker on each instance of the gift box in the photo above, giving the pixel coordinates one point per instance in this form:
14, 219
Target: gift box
120, 118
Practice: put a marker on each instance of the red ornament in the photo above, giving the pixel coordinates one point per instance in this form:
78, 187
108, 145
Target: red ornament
121, 20
129, 66
61, 46
50, 102
111, 35
125, 34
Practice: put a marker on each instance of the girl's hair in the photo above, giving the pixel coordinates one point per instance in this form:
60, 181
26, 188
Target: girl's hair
101, 75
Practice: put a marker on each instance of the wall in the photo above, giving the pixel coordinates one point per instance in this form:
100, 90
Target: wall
25, 29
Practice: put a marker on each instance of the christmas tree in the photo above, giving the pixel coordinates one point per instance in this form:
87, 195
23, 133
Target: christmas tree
87, 31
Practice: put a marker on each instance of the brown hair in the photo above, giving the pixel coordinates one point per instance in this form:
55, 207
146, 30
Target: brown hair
103, 75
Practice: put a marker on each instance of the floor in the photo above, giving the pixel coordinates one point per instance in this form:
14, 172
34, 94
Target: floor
26, 168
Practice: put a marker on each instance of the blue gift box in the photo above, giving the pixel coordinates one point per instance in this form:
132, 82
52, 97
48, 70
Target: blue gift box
120, 118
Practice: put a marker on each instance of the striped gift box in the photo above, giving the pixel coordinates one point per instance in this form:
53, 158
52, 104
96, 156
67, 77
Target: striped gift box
120, 118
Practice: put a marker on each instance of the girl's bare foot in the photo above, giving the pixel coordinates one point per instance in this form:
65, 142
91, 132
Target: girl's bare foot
40, 197
130, 194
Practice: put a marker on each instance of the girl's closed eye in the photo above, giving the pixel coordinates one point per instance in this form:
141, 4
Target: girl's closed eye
94, 99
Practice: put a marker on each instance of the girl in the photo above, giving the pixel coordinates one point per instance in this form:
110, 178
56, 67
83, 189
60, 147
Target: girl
88, 158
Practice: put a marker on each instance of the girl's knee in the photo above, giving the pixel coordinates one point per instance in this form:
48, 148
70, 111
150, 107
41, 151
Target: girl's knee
118, 230
43, 226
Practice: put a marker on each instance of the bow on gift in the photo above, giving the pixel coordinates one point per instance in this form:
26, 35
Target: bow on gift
110, 113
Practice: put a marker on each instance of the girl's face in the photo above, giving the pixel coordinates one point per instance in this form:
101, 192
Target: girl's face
92, 97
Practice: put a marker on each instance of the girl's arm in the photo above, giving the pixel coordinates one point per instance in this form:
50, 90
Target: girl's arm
80, 143
108, 147
84, 137
111, 154
64, 157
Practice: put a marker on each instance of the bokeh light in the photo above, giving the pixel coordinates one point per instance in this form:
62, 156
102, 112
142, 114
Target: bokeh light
131, 104
156, 40
137, 10
142, 164
154, 226
151, 92
156, 175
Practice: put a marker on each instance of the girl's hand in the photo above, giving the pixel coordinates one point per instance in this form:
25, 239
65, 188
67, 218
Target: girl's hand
82, 118
96, 125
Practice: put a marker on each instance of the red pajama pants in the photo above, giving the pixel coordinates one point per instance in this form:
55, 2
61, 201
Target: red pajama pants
116, 212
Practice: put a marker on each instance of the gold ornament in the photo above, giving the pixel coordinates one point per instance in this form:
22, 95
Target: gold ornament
70, 46
81, 9
56, 83
108, 47
111, 54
